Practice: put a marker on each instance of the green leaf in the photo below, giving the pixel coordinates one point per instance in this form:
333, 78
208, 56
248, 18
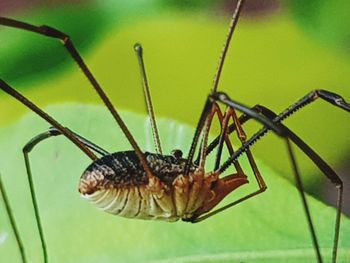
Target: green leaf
268, 228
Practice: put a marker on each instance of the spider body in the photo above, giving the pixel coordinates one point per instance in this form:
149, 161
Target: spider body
138, 184
117, 184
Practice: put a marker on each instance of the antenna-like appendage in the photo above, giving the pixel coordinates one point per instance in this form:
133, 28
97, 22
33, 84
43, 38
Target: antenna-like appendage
139, 53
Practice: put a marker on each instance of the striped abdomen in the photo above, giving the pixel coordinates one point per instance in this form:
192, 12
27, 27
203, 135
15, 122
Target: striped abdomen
117, 184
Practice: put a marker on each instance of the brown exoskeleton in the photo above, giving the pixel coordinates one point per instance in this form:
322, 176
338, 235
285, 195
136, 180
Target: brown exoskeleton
137, 184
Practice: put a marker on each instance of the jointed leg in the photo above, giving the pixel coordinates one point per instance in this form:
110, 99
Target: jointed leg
12, 222
139, 53
299, 185
224, 120
223, 98
202, 120
54, 132
312, 96
26, 150
218, 142
322, 165
326, 170
328, 96
68, 44
227, 180
231, 128
229, 183
242, 137
9, 90
211, 110
231, 29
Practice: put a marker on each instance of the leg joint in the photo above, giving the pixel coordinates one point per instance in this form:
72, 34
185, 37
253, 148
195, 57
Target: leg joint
52, 32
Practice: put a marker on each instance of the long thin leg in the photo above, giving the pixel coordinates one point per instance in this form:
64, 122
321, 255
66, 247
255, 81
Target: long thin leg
230, 113
231, 128
312, 96
211, 110
201, 122
318, 161
9, 90
306, 208
330, 97
322, 165
243, 137
68, 44
222, 97
12, 222
219, 142
226, 100
217, 76
251, 113
208, 104
26, 150
54, 132
223, 137
224, 120
300, 188
139, 53
231, 29
205, 135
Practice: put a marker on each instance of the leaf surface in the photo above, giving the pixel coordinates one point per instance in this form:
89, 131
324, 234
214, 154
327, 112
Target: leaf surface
267, 228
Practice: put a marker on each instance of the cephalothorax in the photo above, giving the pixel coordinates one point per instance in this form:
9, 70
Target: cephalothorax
144, 185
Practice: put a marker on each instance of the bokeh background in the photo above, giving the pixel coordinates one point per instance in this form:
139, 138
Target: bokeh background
280, 51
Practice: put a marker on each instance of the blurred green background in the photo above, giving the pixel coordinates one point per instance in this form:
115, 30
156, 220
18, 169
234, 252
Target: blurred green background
281, 50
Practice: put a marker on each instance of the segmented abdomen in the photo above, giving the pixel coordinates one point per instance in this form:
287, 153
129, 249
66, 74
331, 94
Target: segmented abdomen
118, 185
133, 202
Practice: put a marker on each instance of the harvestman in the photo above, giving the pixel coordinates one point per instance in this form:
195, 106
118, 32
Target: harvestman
145, 185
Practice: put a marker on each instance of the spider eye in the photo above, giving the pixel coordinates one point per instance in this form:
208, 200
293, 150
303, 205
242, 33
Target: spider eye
176, 153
